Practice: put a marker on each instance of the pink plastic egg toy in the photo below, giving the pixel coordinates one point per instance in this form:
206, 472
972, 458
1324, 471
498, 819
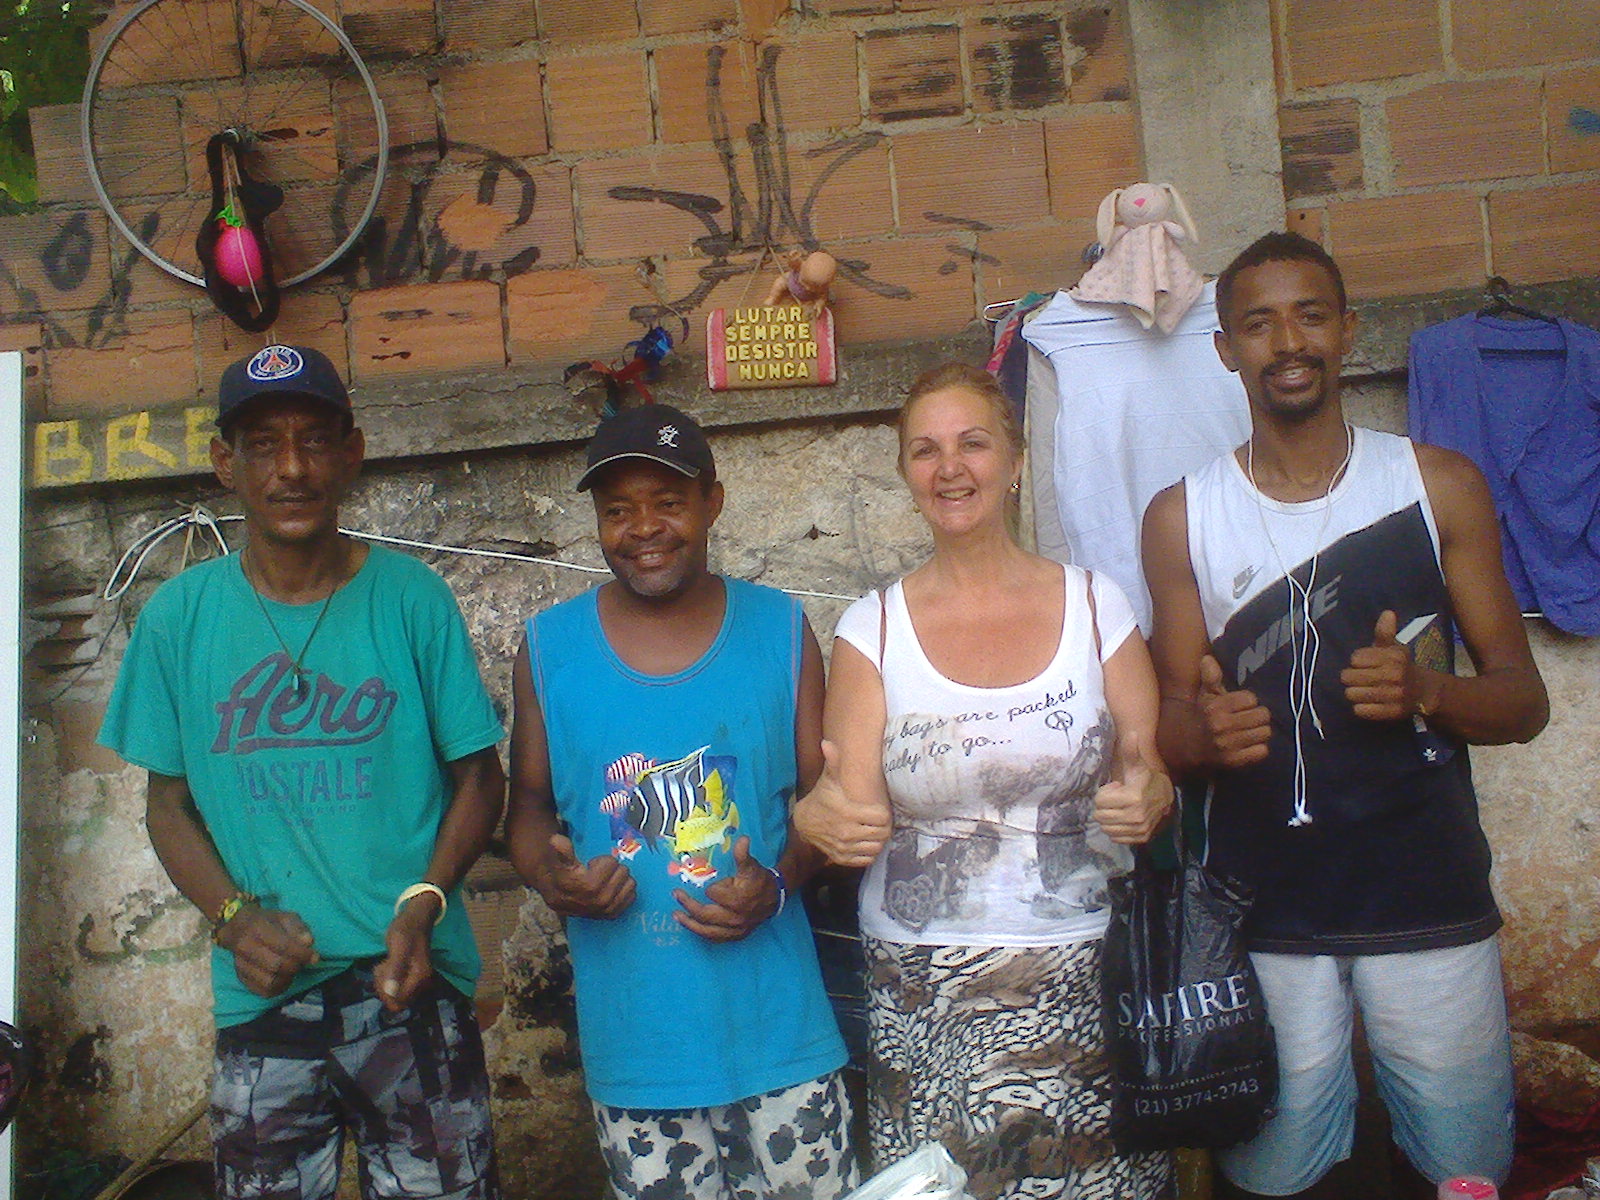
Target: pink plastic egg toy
238, 256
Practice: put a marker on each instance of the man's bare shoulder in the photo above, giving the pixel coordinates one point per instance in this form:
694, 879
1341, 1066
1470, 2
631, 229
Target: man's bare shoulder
1167, 512
1456, 487
1446, 465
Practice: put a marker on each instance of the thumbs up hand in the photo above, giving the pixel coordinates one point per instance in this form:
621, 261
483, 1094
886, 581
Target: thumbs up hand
602, 888
1381, 682
735, 904
850, 831
1237, 726
1130, 808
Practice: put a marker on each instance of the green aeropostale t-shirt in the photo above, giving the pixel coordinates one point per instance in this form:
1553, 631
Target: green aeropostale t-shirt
324, 801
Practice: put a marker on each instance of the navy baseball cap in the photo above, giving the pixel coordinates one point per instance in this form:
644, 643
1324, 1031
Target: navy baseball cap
280, 371
655, 432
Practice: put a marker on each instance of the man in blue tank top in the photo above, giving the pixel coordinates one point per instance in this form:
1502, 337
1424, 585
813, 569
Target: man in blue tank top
1308, 589
662, 724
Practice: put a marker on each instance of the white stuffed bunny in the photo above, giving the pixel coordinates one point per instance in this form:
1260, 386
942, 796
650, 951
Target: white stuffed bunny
1141, 228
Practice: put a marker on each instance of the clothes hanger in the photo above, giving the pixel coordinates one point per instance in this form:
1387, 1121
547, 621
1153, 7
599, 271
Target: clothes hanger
1498, 303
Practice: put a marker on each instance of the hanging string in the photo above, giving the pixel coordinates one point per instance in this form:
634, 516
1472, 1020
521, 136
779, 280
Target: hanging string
198, 515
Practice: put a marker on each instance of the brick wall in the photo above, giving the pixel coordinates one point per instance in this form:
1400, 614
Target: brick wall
566, 171
1432, 143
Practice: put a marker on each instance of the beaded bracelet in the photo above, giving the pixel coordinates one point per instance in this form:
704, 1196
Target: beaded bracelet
228, 911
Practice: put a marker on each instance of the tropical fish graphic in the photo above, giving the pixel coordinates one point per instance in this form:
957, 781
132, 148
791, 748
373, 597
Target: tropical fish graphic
685, 804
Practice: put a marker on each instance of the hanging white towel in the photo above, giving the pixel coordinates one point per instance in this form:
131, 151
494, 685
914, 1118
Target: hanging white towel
1136, 410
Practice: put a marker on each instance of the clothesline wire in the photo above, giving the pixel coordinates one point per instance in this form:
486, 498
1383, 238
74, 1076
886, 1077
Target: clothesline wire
197, 516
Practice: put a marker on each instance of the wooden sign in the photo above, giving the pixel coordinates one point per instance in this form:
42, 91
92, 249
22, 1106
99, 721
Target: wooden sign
769, 347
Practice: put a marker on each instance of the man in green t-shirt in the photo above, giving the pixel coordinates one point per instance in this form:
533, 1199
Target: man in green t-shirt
322, 772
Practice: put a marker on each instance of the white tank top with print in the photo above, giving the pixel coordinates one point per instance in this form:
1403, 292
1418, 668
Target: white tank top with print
992, 788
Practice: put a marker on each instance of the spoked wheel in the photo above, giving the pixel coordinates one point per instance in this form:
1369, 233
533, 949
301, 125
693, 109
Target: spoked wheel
279, 78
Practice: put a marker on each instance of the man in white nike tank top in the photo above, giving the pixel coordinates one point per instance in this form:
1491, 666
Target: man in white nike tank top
1309, 588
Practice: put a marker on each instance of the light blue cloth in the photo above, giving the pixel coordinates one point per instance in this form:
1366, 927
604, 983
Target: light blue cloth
1522, 400
665, 772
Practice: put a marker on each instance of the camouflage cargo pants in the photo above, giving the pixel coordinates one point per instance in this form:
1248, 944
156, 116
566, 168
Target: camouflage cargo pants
410, 1087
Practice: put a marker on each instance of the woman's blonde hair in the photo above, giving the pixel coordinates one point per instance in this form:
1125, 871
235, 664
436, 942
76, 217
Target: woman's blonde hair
969, 378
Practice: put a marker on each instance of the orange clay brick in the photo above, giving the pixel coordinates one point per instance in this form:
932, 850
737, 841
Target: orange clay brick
598, 102
585, 21
562, 315
1333, 41
853, 200
1042, 259
761, 16
816, 77
696, 79
1016, 62
650, 203
137, 146
408, 104
58, 154
1572, 114
55, 259
1487, 34
1545, 233
902, 290
146, 362
913, 73
309, 319
1407, 245
992, 174
427, 328
495, 107
1450, 132
474, 224
488, 24
168, 227
687, 16
155, 49
391, 28
1102, 69
1321, 144
1089, 154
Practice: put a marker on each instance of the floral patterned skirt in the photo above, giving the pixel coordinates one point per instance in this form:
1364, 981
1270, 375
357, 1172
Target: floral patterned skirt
997, 1052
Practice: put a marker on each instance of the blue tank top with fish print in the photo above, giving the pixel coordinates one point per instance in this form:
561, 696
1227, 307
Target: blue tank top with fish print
665, 772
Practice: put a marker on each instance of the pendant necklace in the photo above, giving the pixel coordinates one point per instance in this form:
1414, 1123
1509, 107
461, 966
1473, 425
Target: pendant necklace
296, 662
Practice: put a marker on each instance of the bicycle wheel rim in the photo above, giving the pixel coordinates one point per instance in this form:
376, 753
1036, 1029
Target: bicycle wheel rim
87, 131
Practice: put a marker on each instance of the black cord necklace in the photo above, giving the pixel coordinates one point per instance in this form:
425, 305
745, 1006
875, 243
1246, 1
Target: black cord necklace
296, 662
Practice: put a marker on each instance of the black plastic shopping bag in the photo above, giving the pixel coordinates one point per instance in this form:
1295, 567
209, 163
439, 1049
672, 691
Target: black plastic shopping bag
1193, 1060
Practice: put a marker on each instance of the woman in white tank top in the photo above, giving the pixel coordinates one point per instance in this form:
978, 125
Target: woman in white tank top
991, 758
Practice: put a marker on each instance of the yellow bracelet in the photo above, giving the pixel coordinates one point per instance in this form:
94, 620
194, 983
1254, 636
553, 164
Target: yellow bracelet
420, 889
229, 910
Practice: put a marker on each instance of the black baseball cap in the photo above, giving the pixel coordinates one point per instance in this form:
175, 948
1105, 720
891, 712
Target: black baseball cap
280, 371
656, 432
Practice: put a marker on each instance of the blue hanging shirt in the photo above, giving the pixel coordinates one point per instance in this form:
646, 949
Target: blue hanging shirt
666, 772
1522, 400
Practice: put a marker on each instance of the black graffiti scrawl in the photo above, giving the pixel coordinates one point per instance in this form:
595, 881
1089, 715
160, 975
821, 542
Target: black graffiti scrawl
772, 217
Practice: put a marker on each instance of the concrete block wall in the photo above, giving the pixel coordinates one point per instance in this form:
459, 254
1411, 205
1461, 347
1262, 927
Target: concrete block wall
1433, 143
566, 172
